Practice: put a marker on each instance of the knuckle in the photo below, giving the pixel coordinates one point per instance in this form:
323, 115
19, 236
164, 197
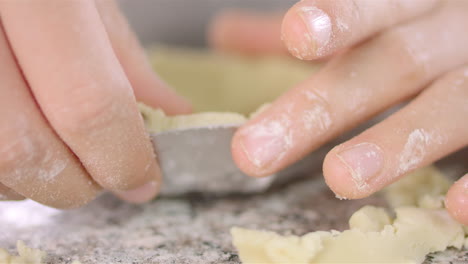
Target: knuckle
456, 83
19, 146
86, 110
407, 52
33, 164
123, 176
317, 116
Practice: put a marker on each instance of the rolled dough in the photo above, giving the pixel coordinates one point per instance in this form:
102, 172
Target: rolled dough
224, 89
373, 236
227, 83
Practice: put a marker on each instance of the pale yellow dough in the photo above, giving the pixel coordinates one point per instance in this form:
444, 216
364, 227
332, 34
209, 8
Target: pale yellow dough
26, 255
223, 89
414, 233
157, 121
227, 83
373, 236
425, 188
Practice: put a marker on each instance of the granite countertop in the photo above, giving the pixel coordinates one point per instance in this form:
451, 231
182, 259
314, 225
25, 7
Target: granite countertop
191, 229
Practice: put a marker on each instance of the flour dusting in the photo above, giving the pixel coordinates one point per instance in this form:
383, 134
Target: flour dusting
339, 197
342, 25
415, 149
50, 172
370, 154
316, 117
272, 139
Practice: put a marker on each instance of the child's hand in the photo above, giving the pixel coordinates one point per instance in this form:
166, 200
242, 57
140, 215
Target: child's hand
69, 123
384, 52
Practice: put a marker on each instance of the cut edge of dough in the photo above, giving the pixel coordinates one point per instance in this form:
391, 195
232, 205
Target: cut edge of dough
426, 230
420, 220
157, 121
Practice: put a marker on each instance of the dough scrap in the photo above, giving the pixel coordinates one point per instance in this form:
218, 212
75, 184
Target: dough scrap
26, 255
426, 230
424, 188
370, 219
373, 236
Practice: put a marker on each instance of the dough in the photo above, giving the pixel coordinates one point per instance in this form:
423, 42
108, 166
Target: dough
227, 83
370, 219
224, 89
414, 233
373, 236
424, 188
157, 121
26, 255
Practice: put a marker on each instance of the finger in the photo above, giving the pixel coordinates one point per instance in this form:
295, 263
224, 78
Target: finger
82, 89
351, 89
316, 28
148, 88
429, 128
7, 194
34, 162
456, 200
246, 32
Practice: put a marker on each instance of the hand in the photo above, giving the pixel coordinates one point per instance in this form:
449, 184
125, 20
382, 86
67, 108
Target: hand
69, 122
382, 53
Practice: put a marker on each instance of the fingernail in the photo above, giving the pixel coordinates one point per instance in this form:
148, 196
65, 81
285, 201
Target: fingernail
364, 162
319, 26
266, 142
141, 194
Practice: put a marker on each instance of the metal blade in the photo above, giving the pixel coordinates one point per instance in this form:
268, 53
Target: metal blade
199, 160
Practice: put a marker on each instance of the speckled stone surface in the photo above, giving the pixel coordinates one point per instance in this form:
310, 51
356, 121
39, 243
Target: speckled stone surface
191, 229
